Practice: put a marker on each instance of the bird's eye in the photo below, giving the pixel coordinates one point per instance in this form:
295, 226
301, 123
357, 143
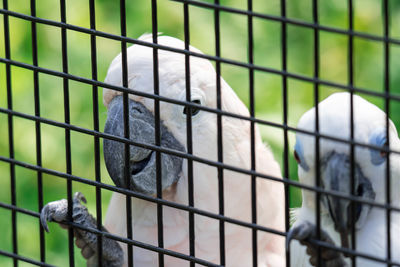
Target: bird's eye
378, 138
384, 153
296, 156
194, 111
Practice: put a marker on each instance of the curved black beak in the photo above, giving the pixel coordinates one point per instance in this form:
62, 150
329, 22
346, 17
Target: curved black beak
336, 176
142, 163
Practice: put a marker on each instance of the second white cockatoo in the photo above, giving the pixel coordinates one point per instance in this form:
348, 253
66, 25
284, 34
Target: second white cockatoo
236, 152
335, 175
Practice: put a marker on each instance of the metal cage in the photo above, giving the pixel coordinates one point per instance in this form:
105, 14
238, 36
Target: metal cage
8, 158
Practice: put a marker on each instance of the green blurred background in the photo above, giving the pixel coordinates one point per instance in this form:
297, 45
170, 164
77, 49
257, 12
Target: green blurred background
368, 73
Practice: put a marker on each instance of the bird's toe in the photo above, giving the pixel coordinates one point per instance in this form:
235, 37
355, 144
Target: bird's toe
87, 252
53, 211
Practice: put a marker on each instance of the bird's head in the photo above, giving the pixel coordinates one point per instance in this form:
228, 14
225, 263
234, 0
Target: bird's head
335, 168
172, 84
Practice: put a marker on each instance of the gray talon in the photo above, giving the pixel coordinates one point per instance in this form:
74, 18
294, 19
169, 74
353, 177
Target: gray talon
43, 218
79, 197
58, 210
54, 211
306, 230
300, 232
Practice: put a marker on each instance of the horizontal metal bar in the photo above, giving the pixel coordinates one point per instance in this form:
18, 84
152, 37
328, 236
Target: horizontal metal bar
21, 210
178, 153
181, 51
351, 252
290, 21
104, 234
198, 211
296, 22
25, 259
199, 159
183, 256
144, 245
190, 104
140, 196
193, 259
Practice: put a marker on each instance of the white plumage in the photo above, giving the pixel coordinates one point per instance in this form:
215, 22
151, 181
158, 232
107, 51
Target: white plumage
236, 152
369, 128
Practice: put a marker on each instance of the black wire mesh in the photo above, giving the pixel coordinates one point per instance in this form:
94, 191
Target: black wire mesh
95, 131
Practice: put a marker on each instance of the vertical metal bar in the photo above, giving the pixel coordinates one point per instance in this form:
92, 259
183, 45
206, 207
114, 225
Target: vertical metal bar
219, 136
352, 159
316, 99
189, 140
387, 111
67, 131
37, 128
285, 122
10, 133
252, 133
157, 135
95, 97
124, 63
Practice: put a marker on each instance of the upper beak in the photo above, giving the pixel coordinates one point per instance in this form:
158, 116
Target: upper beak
142, 161
336, 176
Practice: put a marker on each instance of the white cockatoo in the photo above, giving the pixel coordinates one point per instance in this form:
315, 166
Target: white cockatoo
335, 175
236, 152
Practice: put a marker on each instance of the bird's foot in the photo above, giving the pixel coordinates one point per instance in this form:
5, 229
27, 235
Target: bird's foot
112, 254
305, 231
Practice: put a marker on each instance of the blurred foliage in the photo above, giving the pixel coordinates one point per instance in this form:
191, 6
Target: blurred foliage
368, 73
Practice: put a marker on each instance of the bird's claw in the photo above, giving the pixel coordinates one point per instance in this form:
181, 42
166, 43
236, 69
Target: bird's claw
300, 232
54, 211
305, 231
86, 241
58, 210
79, 197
